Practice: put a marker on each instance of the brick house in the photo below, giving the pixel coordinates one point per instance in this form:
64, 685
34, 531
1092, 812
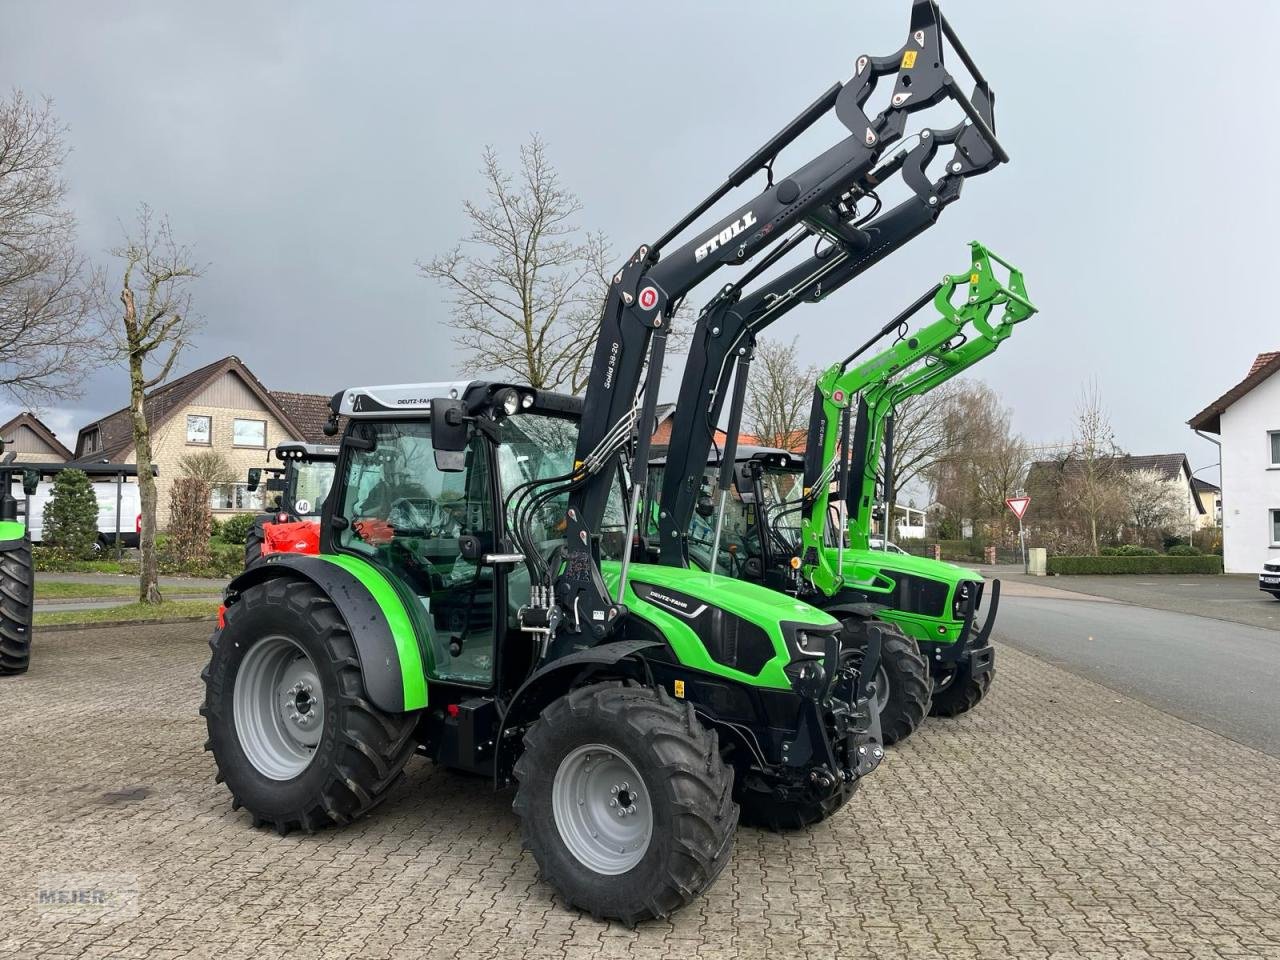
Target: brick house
220, 407
31, 441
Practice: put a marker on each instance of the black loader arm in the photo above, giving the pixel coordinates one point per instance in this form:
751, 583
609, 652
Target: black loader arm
570, 604
728, 325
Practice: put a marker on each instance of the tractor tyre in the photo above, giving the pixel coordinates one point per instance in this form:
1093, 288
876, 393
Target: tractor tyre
292, 734
16, 602
903, 686
762, 808
625, 802
253, 541
960, 691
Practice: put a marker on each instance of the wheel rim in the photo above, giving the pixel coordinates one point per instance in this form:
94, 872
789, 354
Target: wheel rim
278, 707
882, 688
941, 683
602, 809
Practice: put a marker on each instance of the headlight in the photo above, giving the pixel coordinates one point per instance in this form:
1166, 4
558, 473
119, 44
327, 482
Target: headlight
509, 401
527, 401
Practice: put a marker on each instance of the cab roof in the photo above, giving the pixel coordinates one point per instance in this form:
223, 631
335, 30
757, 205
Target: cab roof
414, 399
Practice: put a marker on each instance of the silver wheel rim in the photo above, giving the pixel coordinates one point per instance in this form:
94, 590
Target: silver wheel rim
882, 688
941, 683
278, 707
602, 809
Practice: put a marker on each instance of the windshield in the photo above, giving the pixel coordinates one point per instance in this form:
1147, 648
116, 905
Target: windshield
538, 447
783, 492
311, 483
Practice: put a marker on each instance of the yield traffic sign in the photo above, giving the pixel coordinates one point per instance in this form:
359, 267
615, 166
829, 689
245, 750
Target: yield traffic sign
1018, 505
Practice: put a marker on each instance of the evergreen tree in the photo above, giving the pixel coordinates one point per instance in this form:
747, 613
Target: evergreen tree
71, 516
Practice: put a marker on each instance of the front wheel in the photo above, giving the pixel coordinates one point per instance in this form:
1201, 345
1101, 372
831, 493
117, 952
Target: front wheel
624, 801
293, 736
959, 690
16, 599
903, 686
253, 541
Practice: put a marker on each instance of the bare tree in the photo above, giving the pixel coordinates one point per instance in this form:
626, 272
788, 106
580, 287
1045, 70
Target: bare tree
527, 284
1092, 468
1152, 502
779, 395
46, 343
152, 327
980, 461
211, 466
922, 436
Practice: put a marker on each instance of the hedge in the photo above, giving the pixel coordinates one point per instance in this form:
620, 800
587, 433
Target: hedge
1083, 565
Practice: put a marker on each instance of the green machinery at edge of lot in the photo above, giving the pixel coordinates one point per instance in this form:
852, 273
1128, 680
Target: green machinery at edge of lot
17, 579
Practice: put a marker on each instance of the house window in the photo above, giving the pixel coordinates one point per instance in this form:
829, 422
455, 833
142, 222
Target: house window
199, 430
235, 496
1275, 528
90, 442
249, 433
1274, 438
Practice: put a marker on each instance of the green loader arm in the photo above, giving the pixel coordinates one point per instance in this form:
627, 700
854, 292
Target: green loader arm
916, 363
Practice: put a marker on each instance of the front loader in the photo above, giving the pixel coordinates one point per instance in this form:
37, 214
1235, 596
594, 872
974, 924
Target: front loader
17, 580
475, 597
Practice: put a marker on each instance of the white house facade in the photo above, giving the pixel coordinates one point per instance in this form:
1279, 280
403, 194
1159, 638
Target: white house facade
1246, 420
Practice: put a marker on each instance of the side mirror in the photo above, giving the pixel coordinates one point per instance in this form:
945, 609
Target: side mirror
30, 481
255, 478
449, 435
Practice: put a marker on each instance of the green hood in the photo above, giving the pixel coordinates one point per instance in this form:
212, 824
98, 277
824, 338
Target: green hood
772, 612
892, 562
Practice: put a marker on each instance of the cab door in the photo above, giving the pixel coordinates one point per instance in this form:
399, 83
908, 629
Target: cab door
402, 513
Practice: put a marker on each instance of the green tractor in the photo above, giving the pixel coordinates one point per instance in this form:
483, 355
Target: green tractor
411, 632
17, 580
299, 487
479, 597
783, 530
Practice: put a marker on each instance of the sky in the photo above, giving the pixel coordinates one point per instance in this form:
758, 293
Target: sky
313, 152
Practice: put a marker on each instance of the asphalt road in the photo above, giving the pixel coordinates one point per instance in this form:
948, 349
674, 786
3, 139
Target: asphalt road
1218, 674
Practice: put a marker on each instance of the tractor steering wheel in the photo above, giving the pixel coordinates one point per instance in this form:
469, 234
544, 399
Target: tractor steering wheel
412, 516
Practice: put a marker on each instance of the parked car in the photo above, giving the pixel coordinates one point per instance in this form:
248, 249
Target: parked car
1269, 578
877, 544
130, 512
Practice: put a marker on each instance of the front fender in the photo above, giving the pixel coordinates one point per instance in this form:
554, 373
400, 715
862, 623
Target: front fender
552, 680
391, 658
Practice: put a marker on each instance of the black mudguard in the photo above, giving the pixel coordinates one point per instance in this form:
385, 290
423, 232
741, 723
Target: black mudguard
365, 620
552, 680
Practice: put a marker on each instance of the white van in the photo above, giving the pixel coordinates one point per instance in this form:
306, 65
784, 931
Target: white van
130, 511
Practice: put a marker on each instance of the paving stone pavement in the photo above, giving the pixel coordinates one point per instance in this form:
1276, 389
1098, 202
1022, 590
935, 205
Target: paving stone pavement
1057, 820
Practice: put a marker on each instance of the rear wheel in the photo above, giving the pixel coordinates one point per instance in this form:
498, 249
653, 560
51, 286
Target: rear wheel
16, 600
624, 801
292, 734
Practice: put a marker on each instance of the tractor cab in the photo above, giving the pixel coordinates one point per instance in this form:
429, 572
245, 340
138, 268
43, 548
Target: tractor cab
296, 489
423, 500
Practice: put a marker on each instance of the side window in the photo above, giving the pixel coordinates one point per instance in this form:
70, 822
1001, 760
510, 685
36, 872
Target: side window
538, 447
407, 516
